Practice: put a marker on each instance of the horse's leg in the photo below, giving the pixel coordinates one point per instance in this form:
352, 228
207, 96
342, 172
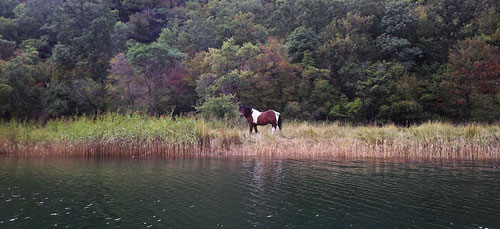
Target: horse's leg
256, 131
275, 127
251, 126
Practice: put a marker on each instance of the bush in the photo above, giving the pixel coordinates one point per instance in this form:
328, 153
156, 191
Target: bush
292, 109
406, 111
222, 108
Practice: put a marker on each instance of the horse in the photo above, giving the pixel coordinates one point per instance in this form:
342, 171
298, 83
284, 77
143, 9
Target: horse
255, 117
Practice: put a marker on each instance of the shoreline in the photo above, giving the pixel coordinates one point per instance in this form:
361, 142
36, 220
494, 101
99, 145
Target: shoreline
327, 149
136, 135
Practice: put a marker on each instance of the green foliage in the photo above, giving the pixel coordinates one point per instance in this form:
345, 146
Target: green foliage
344, 110
302, 40
7, 7
20, 76
56, 100
292, 110
243, 29
358, 60
255, 75
353, 108
84, 29
62, 56
152, 58
108, 128
222, 108
399, 25
175, 37
121, 34
147, 70
405, 111
6, 48
8, 28
5, 92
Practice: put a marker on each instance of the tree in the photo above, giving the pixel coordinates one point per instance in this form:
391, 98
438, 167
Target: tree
359, 60
121, 34
315, 94
156, 64
7, 7
22, 83
146, 26
243, 29
313, 14
126, 89
202, 31
9, 29
302, 40
226, 71
88, 95
176, 37
399, 25
5, 92
275, 77
6, 48
57, 100
345, 40
83, 29
258, 75
472, 74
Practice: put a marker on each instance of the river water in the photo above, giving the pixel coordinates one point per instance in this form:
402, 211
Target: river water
240, 192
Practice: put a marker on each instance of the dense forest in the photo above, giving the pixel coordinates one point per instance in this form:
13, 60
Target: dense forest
352, 60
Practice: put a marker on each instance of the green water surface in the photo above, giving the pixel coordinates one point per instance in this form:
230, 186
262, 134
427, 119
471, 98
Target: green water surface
240, 192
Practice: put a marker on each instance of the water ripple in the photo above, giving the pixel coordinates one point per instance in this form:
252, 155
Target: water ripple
244, 192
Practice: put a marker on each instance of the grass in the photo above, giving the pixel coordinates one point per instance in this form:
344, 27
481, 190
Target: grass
138, 135
111, 134
432, 140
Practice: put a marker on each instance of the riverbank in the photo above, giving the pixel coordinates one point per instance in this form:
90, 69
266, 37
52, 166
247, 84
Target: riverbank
136, 135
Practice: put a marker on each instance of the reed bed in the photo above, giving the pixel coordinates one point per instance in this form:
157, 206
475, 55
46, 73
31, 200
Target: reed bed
136, 135
432, 140
108, 135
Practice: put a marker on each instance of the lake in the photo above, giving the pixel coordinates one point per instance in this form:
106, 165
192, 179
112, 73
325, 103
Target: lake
239, 192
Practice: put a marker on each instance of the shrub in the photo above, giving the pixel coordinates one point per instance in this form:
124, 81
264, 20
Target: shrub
222, 108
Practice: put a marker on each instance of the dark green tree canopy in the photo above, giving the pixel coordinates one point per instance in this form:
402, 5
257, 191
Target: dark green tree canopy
299, 42
399, 61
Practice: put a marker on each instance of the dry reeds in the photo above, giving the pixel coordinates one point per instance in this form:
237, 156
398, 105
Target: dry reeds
433, 140
137, 135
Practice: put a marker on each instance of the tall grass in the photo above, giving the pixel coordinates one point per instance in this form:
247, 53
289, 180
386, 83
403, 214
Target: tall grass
110, 134
139, 135
432, 140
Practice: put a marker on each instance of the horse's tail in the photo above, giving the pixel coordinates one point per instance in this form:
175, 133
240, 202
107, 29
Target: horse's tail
279, 121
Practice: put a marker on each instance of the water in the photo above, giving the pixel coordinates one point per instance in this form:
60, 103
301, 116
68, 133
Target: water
247, 192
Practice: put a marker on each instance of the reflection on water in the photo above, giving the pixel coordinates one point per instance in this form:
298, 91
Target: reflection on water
245, 192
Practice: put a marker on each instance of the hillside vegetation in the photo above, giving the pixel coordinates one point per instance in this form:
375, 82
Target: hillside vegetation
357, 61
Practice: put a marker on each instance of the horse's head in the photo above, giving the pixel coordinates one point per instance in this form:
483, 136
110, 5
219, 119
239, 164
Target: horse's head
244, 111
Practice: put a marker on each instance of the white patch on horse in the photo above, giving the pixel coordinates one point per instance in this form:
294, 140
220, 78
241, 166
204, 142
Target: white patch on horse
277, 118
255, 115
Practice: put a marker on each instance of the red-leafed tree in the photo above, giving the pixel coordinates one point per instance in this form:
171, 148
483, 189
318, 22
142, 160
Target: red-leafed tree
473, 76
124, 86
151, 77
276, 78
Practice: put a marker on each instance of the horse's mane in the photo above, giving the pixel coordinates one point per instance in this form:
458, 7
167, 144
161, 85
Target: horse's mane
248, 109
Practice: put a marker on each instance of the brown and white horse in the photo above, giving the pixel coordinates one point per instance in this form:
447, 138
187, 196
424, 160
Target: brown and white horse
255, 117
